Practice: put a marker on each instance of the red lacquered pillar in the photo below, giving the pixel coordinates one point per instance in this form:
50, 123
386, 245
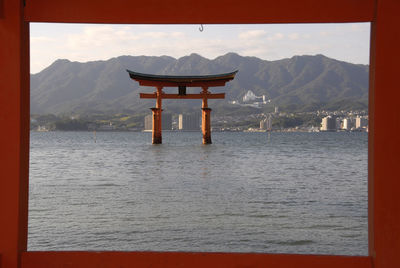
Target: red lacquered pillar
206, 125
14, 134
157, 123
206, 118
384, 142
156, 129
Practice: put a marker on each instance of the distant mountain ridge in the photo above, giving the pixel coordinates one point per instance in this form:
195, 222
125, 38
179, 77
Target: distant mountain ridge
67, 87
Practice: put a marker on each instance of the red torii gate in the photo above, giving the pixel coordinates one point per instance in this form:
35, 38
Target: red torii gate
182, 82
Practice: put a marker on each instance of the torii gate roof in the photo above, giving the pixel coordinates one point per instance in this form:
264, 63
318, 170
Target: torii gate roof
213, 80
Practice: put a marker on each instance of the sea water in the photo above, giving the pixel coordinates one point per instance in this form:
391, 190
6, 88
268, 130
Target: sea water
246, 192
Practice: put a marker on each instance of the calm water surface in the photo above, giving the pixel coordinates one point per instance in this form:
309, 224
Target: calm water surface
247, 192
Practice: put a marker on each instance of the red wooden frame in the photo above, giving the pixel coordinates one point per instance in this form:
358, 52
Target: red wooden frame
384, 145
186, 259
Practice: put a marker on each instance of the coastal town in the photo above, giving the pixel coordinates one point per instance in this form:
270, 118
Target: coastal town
280, 121
251, 113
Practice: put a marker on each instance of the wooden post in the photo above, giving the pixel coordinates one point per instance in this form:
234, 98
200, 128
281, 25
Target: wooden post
383, 141
156, 132
206, 118
206, 125
157, 123
14, 137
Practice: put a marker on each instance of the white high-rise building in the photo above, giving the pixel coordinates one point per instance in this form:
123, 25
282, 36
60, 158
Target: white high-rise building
266, 124
263, 124
347, 124
361, 122
189, 121
148, 122
328, 124
249, 96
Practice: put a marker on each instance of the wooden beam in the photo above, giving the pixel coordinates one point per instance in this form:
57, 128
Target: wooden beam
186, 259
187, 96
148, 83
206, 11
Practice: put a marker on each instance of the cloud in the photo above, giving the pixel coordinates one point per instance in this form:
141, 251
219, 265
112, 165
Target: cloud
41, 39
252, 34
294, 36
324, 33
276, 36
101, 42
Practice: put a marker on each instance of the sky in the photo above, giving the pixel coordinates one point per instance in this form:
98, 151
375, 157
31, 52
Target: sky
89, 42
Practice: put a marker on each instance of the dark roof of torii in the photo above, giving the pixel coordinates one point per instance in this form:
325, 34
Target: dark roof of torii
182, 80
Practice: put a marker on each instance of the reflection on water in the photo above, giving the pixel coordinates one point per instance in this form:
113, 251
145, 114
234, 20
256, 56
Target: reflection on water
248, 192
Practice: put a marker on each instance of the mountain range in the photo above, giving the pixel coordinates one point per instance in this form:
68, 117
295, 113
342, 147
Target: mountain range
303, 82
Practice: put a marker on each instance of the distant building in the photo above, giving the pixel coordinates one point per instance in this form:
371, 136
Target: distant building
263, 124
276, 109
266, 124
338, 123
107, 127
189, 121
347, 124
361, 122
166, 122
148, 122
264, 98
328, 124
249, 96
260, 100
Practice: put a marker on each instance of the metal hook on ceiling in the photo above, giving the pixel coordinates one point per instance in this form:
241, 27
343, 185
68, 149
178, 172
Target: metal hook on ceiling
201, 28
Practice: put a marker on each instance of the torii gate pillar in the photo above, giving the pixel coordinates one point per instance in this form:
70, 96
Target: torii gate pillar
206, 118
156, 129
206, 125
157, 125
